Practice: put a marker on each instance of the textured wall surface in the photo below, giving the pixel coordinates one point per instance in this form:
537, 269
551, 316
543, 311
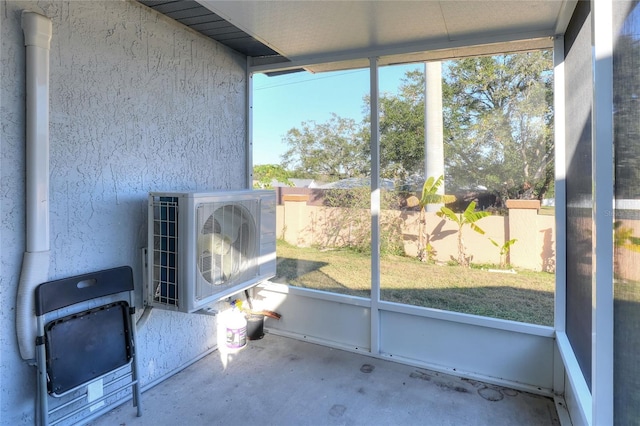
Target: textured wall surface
139, 103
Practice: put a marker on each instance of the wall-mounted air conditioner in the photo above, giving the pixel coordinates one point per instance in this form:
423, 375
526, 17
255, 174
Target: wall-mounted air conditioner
206, 246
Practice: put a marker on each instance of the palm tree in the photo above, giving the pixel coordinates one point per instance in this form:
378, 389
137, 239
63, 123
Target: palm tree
429, 196
468, 217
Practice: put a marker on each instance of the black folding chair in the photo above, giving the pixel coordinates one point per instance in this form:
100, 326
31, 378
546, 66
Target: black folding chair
85, 346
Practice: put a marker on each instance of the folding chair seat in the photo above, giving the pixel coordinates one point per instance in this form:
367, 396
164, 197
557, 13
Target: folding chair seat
85, 346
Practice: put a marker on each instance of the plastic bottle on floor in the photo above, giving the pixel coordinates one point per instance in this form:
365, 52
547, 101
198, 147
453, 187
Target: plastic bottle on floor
236, 325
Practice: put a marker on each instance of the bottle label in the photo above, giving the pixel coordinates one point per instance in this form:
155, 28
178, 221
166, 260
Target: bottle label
236, 337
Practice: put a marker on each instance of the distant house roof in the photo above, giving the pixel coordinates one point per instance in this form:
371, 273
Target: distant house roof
298, 183
357, 183
303, 183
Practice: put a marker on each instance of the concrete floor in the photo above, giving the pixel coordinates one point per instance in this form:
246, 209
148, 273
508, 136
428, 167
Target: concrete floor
282, 381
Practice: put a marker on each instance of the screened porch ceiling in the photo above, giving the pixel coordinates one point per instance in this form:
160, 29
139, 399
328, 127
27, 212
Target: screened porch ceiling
333, 35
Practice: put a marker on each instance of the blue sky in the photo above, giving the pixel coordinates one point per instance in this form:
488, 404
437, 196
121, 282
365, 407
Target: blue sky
283, 102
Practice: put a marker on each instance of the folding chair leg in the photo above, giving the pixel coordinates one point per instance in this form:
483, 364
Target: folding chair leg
135, 370
42, 412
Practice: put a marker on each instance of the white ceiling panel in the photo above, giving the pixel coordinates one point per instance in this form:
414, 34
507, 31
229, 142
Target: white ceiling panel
469, 19
311, 32
302, 29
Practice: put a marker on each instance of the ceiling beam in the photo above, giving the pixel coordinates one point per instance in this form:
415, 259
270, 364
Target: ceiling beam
411, 52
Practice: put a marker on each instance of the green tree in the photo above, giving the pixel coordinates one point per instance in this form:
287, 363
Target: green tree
402, 129
498, 111
334, 150
498, 133
265, 174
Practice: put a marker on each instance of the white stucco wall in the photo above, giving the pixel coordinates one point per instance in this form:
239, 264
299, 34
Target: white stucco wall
139, 103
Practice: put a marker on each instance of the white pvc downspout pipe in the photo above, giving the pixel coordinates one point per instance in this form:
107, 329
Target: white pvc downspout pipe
35, 264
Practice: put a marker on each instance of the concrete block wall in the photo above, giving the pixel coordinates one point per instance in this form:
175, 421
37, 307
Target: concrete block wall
138, 103
303, 224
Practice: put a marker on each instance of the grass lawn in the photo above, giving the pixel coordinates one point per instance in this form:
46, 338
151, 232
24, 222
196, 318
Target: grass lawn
526, 296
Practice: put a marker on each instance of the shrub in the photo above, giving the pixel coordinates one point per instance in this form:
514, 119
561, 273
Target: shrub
355, 216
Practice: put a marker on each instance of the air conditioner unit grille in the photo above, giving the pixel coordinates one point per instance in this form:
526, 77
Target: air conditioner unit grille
227, 244
165, 250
